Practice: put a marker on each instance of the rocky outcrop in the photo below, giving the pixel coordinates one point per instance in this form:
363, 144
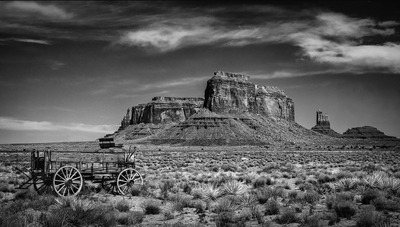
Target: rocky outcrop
125, 121
165, 110
323, 125
234, 93
366, 132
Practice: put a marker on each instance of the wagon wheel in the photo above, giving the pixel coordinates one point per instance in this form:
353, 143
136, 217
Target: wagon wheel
43, 184
109, 184
127, 178
67, 181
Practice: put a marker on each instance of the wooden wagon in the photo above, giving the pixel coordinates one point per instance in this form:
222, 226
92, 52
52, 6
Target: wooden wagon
64, 172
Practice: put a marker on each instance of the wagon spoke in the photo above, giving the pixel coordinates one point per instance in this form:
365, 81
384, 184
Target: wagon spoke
124, 188
73, 185
124, 177
63, 174
76, 178
66, 174
63, 183
70, 189
73, 174
62, 178
40, 187
130, 173
59, 189
65, 189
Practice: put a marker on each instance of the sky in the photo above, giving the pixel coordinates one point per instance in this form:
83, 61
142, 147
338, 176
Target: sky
70, 70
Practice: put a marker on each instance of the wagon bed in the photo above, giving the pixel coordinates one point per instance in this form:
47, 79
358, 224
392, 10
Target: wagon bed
64, 172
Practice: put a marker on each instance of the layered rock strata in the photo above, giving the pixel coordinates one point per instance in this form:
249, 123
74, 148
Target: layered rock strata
234, 93
165, 110
146, 119
323, 125
366, 132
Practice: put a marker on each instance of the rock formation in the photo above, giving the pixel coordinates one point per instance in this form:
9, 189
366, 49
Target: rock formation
162, 110
125, 121
235, 112
323, 125
165, 109
366, 132
234, 93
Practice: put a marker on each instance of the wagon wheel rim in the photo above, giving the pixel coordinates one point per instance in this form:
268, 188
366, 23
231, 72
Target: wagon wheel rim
109, 184
127, 178
67, 181
43, 184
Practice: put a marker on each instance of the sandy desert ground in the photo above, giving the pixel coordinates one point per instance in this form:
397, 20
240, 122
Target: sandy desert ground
219, 186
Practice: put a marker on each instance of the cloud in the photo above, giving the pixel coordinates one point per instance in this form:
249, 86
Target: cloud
157, 88
50, 11
324, 37
337, 40
172, 34
388, 23
56, 65
34, 41
13, 124
296, 73
173, 83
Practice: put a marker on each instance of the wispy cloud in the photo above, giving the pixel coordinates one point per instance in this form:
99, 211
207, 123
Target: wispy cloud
293, 73
34, 41
56, 65
173, 83
158, 88
46, 10
7, 123
326, 37
338, 40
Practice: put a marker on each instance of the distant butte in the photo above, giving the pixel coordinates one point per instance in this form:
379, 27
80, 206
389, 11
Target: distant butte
323, 125
366, 132
234, 111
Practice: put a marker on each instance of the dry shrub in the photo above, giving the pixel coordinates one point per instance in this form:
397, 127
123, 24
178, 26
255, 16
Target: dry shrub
272, 207
123, 206
370, 218
131, 218
263, 181
151, 207
344, 209
5, 187
287, 216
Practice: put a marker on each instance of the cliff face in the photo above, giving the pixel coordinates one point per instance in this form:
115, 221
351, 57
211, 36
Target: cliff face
165, 109
234, 93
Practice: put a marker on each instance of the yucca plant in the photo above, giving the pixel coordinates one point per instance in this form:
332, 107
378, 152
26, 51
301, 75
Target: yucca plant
234, 188
225, 205
210, 192
382, 181
372, 180
346, 184
247, 200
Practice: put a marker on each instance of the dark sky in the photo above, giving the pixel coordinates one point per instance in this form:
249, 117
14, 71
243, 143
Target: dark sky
69, 70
